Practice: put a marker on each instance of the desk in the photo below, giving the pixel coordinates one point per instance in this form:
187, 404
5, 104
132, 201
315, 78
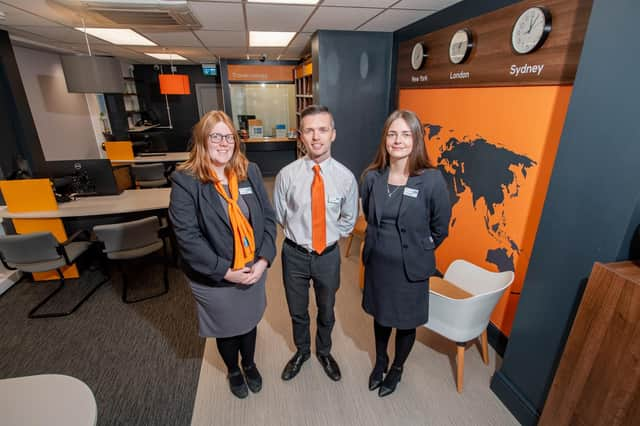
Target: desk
164, 157
271, 154
130, 201
140, 129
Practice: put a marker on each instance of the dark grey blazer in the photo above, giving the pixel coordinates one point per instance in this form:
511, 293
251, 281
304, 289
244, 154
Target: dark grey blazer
423, 220
202, 228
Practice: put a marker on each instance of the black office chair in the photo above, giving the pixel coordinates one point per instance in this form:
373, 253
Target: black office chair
133, 240
41, 252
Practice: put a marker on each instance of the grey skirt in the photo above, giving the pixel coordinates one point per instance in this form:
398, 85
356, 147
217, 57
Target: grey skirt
226, 310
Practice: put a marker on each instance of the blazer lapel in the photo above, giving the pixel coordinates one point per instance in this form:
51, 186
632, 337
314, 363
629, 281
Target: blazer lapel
213, 200
414, 182
379, 193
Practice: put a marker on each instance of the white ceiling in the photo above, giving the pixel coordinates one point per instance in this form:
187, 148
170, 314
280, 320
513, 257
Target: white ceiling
225, 26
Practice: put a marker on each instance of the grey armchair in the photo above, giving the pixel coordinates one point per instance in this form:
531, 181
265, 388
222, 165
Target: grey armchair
41, 252
149, 175
132, 240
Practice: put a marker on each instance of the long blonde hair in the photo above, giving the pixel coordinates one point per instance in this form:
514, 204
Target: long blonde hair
418, 159
199, 162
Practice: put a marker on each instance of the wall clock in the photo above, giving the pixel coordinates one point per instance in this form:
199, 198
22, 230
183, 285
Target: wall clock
460, 46
417, 56
531, 30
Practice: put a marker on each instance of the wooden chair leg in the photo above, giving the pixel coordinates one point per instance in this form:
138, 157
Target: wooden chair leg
460, 366
485, 348
349, 241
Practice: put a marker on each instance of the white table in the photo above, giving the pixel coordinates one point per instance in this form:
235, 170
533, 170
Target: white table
160, 157
130, 201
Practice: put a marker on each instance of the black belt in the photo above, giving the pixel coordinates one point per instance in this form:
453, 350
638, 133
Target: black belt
305, 250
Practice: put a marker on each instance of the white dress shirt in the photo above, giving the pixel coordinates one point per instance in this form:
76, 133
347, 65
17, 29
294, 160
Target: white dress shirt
292, 200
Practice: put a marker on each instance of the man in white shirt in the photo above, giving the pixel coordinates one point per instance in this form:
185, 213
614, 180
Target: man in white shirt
316, 202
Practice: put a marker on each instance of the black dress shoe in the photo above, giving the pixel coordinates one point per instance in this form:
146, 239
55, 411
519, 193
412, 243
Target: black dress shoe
390, 381
237, 384
375, 378
254, 379
294, 365
330, 366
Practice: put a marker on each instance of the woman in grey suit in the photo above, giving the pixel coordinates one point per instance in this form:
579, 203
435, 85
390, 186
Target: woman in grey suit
225, 228
407, 207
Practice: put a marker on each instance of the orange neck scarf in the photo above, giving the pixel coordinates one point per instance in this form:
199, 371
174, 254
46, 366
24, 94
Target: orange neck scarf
244, 245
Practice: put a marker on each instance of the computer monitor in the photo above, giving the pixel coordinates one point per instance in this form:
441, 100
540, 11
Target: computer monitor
83, 177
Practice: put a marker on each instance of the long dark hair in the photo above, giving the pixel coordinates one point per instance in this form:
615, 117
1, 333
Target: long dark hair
418, 159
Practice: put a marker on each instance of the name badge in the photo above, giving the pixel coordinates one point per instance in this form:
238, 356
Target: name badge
334, 200
245, 190
410, 192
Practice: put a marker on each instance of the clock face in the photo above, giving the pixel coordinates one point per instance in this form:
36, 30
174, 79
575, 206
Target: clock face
531, 30
417, 56
460, 46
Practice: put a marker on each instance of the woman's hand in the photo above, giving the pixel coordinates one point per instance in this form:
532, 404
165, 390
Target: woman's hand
257, 270
239, 276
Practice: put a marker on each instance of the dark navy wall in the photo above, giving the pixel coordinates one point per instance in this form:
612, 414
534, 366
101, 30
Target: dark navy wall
592, 200
19, 134
352, 77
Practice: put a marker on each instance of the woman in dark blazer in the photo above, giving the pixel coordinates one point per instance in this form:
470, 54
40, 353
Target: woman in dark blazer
225, 228
407, 207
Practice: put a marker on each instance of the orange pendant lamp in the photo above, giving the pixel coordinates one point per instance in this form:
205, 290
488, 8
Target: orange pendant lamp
174, 84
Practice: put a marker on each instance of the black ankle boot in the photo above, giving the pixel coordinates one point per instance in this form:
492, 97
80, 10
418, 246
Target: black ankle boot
375, 378
390, 381
254, 379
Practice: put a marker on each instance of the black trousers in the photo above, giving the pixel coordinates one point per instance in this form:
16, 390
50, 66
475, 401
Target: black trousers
298, 269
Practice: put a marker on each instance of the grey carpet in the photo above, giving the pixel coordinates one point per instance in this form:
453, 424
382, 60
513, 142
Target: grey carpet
141, 361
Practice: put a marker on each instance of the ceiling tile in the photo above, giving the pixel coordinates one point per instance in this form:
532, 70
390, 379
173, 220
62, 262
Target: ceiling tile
45, 9
60, 33
339, 18
228, 52
218, 16
15, 16
223, 38
262, 17
425, 4
359, 3
173, 38
392, 20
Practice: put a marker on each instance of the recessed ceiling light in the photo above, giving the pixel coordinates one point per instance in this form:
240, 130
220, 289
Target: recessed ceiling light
121, 36
285, 1
166, 56
270, 38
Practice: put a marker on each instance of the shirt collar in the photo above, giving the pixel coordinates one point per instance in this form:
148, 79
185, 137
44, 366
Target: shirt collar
309, 163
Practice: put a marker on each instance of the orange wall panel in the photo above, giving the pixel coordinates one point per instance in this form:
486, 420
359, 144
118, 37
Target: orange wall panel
496, 147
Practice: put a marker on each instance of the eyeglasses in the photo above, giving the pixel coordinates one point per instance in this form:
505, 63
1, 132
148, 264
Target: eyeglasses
403, 135
218, 137
308, 131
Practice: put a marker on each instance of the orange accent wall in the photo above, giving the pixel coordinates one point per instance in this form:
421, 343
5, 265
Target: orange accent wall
526, 121
260, 72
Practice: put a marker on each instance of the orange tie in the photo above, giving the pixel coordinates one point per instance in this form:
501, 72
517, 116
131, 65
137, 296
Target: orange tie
318, 225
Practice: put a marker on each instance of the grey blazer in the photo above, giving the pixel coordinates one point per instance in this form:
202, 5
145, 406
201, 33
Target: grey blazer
423, 220
202, 228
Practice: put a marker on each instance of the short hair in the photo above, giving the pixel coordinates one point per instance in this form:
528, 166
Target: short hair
316, 109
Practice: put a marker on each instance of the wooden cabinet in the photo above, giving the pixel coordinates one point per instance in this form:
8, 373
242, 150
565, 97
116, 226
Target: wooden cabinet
598, 379
304, 94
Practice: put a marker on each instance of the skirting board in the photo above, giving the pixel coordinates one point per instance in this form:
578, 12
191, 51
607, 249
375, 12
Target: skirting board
514, 400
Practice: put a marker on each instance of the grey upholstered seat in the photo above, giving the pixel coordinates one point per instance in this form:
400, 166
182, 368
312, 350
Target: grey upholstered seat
132, 240
149, 175
41, 252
